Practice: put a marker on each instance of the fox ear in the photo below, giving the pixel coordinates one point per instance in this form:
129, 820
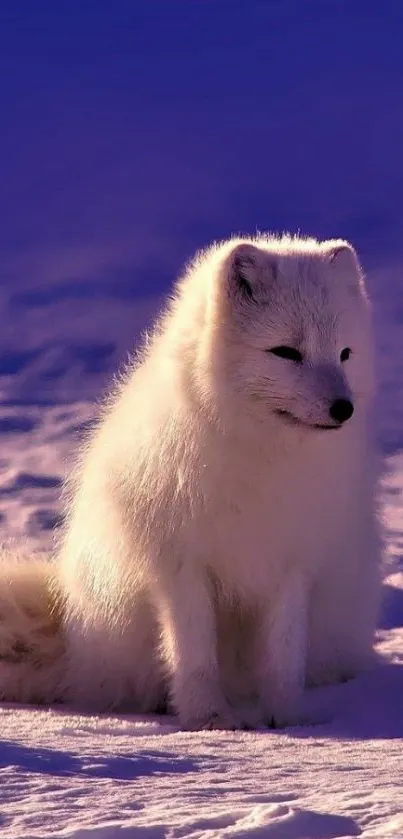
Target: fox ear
345, 264
247, 267
343, 256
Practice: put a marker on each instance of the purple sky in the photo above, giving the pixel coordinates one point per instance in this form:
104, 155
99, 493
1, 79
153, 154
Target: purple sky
133, 132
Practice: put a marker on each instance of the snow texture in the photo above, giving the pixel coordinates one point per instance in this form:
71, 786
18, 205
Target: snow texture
101, 210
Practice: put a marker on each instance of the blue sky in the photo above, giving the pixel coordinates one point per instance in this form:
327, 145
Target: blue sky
142, 130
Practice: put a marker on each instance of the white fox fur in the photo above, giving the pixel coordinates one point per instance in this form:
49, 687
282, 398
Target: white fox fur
221, 548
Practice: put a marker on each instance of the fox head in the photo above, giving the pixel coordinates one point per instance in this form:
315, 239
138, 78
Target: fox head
287, 333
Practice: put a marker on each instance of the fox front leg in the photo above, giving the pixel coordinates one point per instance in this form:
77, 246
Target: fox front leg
281, 654
190, 652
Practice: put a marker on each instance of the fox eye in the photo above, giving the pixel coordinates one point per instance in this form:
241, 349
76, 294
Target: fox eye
345, 354
289, 353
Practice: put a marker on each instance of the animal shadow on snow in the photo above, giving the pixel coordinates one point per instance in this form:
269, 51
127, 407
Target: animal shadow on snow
365, 708
62, 763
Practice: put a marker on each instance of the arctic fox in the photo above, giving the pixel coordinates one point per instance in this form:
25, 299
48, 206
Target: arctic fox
220, 550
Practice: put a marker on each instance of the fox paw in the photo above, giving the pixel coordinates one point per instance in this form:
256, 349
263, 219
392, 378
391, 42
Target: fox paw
227, 720
283, 715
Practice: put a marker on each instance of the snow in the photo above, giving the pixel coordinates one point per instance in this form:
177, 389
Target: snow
101, 210
65, 774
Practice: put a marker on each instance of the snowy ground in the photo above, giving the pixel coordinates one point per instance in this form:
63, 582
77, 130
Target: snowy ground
64, 774
80, 776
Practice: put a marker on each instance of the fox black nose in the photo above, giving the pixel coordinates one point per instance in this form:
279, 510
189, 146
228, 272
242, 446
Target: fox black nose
341, 410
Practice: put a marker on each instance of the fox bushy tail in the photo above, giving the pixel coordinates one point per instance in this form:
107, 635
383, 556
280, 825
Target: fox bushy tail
31, 634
